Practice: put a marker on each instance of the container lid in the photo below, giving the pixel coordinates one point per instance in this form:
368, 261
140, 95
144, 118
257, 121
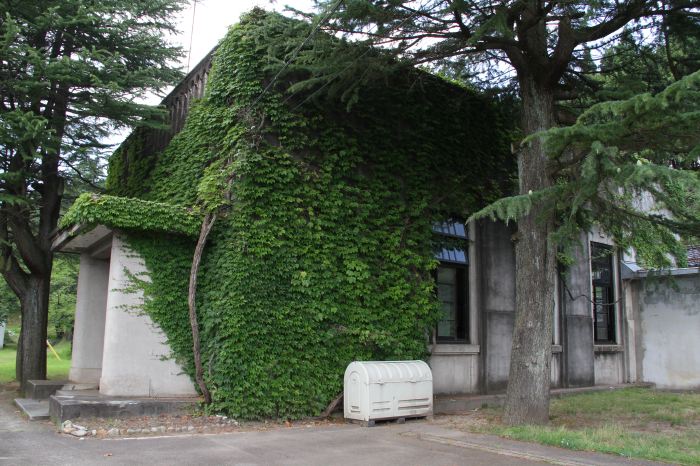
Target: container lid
391, 371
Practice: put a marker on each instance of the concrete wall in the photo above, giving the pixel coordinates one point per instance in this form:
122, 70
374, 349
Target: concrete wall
609, 365
89, 330
577, 321
135, 360
669, 322
555, 369
497, 300
455, 369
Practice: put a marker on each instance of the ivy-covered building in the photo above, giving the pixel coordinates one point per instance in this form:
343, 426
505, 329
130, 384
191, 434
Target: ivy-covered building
339, 235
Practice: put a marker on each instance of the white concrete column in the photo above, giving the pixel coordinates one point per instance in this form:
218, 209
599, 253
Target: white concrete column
89, 329
135, 360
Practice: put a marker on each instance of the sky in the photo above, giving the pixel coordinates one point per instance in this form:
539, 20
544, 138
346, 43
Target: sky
213, 17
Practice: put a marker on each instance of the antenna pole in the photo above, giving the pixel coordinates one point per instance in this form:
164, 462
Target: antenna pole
189, 52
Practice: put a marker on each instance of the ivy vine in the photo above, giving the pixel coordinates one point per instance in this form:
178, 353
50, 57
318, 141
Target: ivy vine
131, 214
323, 250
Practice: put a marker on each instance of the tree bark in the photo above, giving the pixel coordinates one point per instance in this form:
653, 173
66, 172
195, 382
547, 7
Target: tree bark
527, 398
207, 225
31, 354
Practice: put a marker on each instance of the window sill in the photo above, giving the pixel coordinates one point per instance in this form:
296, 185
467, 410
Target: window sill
453, 349
611, 348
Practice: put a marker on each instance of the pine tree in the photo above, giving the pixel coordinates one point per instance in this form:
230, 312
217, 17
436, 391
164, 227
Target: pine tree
69, 76
542, 45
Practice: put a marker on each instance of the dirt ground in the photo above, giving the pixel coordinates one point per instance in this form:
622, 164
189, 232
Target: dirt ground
170, 424
175, 424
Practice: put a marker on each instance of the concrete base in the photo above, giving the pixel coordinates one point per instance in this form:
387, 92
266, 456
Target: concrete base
79, 386
85, 375
35, 410
43, 389
461, 404
89, 403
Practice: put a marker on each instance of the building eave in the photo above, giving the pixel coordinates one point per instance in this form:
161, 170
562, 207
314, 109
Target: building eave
632, 271
80, 237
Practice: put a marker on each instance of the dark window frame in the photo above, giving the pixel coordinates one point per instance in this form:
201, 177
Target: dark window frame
462, 303
603, 294
453, 253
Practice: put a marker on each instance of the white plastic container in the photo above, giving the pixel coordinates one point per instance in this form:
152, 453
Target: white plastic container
375, 390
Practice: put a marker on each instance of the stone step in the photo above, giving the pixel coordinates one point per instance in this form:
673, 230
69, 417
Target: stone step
35, 410
82, 393
62, 408
79, 386
43, 389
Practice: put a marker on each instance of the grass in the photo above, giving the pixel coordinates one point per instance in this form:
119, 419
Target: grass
634, 422
55, 369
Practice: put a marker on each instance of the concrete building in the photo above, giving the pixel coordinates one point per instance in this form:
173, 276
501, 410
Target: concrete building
116, 346
612, 323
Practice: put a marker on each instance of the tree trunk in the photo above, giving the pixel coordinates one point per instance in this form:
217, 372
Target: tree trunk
527, 398
31, 354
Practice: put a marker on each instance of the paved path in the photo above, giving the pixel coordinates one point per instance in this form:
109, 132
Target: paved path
414, 443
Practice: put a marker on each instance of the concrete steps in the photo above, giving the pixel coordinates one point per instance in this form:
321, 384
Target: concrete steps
36, 405
94, 393
35, 410
80, 386
43, 389
74, 404
62, 400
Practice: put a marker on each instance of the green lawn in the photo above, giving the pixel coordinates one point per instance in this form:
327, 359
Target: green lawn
55, 369
634, 422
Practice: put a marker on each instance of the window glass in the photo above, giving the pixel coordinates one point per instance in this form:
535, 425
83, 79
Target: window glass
447, 294
451, 281
603, 293
451, 287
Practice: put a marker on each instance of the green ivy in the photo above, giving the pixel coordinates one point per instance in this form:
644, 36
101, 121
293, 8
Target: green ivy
323, 250
131, 214
130, 165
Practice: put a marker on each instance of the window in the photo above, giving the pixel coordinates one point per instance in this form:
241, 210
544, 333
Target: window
451, 287
451, 282
603, 281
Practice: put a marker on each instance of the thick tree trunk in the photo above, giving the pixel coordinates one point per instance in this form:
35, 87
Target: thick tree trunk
31, 354
527, 399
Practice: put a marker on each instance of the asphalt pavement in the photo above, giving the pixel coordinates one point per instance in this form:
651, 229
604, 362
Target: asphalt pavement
414, 443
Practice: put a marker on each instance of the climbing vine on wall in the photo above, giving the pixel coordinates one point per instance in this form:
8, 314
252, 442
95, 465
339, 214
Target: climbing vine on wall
323, 250
131, 214
130, 165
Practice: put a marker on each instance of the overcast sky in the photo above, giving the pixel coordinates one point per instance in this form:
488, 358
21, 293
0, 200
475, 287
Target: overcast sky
213, 17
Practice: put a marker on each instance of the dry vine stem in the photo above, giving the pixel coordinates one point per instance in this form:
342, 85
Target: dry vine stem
207, 225
331, 407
